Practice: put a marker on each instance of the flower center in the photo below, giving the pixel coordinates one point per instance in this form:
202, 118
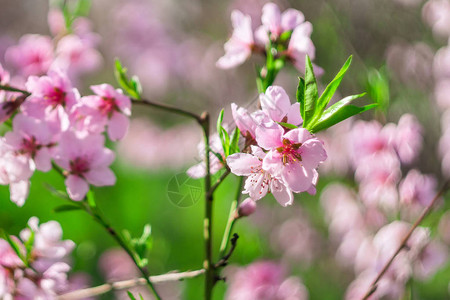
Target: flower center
79, 165
108, 105
56, 97
290, 152
29, 146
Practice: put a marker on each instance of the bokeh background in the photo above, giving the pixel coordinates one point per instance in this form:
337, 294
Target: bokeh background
173, 46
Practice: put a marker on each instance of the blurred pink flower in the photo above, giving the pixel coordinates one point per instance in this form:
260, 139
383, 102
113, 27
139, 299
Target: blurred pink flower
301, 45
417, 189
199, 170
141, 146
239, 46
32, 56
114, 107
277, 23
87, 162
436, 14
444, 227
15, 171
442, 93
408, 138
76, 56
264, 280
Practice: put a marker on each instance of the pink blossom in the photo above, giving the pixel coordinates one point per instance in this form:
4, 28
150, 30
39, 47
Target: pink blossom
48, 246
441, 63
248, 122
417, 189
199, 170
33, 139
430, 259
442, 93
76, 56
56, 22
86, 161
293, 156
15, 171
436, 14
114, 107
259, 181
378, 176
32, 56
408, 138
239, 46
368, 138
276, 104
247, 207
301, 45
264, 280
277, 23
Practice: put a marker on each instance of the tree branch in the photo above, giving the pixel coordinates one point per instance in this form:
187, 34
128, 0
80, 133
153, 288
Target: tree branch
373, 286
126, 284
168, 108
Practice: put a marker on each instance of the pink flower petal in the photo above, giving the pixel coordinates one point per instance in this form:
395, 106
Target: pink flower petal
243, 164
118, 126
313, 153
77, 187
100, 177
298, 135
281, 193
297, 178
19, 191
43, 160
269, 138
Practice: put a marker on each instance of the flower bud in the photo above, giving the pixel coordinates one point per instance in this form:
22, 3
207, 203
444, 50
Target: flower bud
246, 208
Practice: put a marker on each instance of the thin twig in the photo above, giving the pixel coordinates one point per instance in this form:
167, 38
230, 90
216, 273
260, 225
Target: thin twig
168, 108
219, 181
231, 218
373, 286
126, 284
224, 260
14, 89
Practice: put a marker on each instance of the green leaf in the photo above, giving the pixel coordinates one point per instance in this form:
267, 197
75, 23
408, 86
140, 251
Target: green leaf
91, 199
14, 246
311, 93
234, 145
331, 89
64, 208
223, 135
29, 244
82, 8
219, 157
339, 112
131, 296
287, 125
57, 193
131, 86
300, 95
378, 88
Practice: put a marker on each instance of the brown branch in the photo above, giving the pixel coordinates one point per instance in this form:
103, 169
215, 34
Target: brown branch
126, 284
169, 108
402, 245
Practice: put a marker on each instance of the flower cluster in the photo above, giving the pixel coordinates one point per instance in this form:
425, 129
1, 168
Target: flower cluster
265, 280
366, 241
34, 265
54, 123
72, 50
277, 159
288, 32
